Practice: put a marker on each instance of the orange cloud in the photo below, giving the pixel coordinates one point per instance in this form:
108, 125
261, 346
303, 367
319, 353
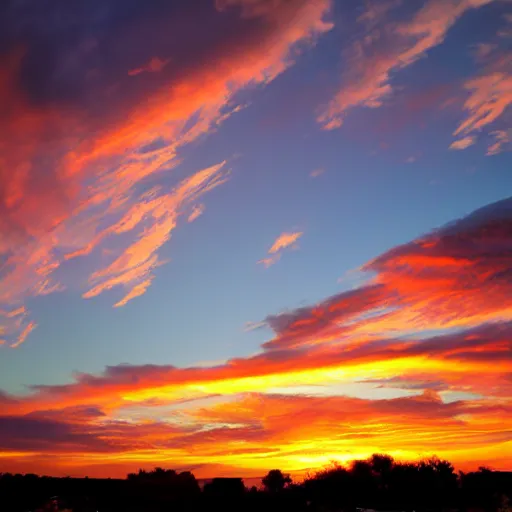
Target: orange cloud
283, 241
255, 431
196, 212
490, 95
327, 431
502, 138
463, 143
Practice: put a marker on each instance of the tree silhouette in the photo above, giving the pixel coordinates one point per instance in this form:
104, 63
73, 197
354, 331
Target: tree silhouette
377, 482
276, 480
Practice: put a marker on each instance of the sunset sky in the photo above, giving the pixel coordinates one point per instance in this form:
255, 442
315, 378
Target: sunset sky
238, 235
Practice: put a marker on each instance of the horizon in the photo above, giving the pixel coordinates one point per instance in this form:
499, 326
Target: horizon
238, 235
298, 476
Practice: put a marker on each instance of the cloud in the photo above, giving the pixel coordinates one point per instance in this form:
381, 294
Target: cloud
253, 326
502, 139
30, 434
386, 48
268, 262
463, 143
23, 334
317, 172
489, 92
483, 50
155, 65
196, 212
282, 242
133, 268
329, 422
95, 112
254, 431
138, 290
490, 95
456, 357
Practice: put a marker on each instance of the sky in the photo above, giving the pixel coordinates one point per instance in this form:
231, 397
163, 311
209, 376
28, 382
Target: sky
238, 235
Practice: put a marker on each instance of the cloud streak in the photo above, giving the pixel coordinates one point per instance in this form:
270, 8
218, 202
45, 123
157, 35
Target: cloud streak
283, 241
490, 96
196, 212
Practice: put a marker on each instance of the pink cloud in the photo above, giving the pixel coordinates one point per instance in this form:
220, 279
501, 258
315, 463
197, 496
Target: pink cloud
196, 212
155, 65
282, 242
268, 262
387, 48
463, 143
490, 95
138, 290
483, 50
24, 333
317, 172
501, 139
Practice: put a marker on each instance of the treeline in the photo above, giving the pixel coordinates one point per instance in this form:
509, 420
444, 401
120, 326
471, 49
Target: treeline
378, 482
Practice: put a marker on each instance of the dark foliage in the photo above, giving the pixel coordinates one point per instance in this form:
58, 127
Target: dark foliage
378, 483
276, 481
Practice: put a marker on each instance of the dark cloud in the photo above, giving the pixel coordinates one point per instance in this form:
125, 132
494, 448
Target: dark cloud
75, 52
303, 324
78, 414
406, 383
5, 398
34, 434
483, 236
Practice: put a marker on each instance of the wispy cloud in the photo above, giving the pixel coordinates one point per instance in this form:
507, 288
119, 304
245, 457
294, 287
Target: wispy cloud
502, 138
23, 334
134, 267
388, 47
317, 172
196, 212
490, 95
463, 143
282, 242
155, 65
